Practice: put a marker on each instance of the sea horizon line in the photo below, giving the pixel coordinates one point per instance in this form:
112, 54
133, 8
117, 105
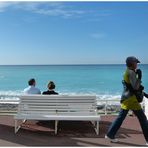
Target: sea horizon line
62, 64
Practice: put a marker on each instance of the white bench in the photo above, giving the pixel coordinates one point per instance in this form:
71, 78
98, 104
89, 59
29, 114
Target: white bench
57, 108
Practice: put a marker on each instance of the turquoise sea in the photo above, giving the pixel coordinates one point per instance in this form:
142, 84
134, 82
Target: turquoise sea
102, 80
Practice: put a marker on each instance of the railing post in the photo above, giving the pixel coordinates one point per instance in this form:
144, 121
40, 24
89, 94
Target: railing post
106, 107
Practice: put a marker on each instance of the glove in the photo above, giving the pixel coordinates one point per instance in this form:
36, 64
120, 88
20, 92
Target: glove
139, 73
141, 88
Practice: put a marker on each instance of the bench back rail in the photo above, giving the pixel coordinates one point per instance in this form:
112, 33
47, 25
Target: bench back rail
61, 105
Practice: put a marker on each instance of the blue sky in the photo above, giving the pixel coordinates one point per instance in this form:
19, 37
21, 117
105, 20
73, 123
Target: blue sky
73, 32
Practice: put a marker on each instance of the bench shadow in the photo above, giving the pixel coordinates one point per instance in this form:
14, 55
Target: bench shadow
32, 134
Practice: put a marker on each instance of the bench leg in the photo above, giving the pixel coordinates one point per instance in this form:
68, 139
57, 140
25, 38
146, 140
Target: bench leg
24, 120
56, 127
96, 126
94, 123
17, 127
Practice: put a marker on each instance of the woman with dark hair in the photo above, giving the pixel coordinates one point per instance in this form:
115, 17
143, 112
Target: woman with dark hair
50, 91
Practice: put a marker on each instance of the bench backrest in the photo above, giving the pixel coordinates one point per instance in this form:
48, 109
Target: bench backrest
57, 105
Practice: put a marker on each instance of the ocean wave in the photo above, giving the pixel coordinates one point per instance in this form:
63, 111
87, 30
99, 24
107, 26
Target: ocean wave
10, 95
108, 97
102, 99
15, 94
101, 96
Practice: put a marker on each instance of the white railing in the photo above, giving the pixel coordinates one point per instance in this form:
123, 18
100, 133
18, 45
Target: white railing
12, 99
106, 103
105, 106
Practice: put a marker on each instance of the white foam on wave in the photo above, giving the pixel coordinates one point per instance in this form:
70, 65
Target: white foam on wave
10, 95
76, 93
112, 99
11, 92
99, 96
109, 99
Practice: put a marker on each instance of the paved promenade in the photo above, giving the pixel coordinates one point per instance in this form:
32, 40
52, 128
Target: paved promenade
69, 134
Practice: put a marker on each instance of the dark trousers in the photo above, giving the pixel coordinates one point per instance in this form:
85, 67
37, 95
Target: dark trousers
118, 121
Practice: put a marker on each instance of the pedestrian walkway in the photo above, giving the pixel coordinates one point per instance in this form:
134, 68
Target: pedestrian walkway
70, 133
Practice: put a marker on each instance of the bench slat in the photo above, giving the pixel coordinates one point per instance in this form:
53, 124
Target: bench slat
60, 117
